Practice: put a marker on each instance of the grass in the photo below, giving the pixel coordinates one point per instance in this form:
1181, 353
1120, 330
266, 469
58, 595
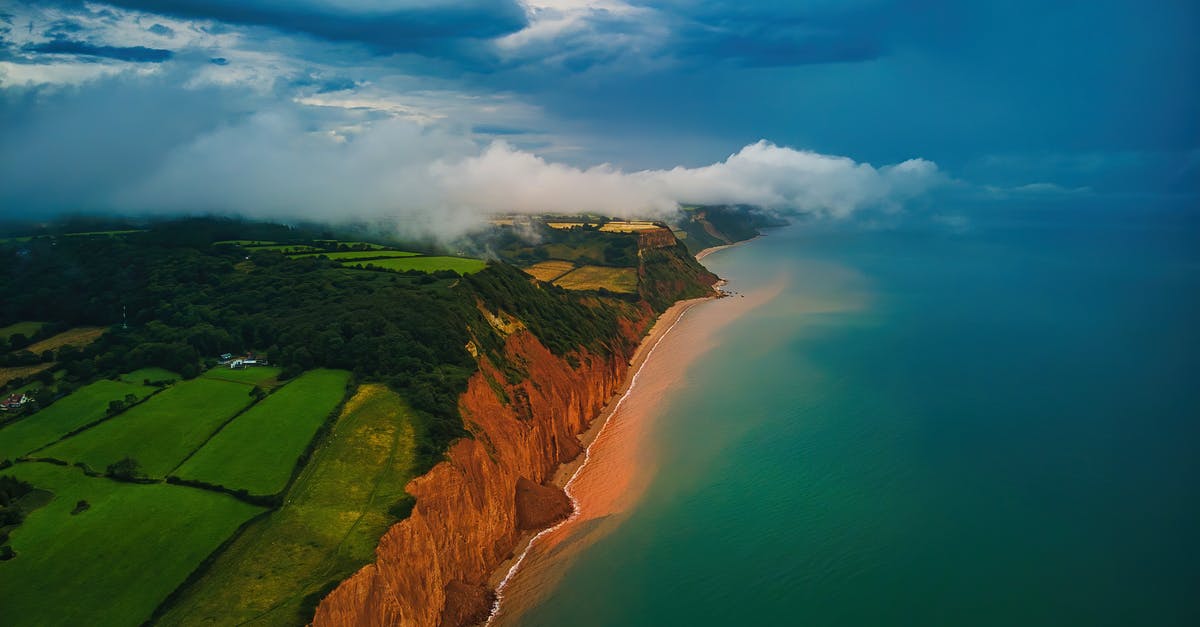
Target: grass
362, 254
591, 251
327, 528
258, 450
159, 433
596, 277
628, 227
335, 242
264, 376
115, 562
106, 233
78, 337
8, 374
24, 328
82, 407
149, 374
246, 242
461, 265
550, 270
287, 248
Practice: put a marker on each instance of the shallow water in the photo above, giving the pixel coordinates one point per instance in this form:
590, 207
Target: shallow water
990, 425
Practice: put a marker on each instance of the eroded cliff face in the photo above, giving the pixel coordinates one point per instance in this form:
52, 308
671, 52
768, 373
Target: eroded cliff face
433, 568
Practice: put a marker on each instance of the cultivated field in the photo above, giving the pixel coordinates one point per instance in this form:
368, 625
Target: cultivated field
328, 527
113, 563
78, 337
461, 265
8, 374
84, 406
596, 277
159, 433
628, 227
258, 450
264, 376
362, 254
24, 328
550, 270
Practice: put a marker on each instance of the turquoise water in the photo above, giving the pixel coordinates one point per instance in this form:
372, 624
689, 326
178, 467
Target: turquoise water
996, 425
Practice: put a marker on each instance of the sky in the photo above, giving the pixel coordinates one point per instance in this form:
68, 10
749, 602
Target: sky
435, 112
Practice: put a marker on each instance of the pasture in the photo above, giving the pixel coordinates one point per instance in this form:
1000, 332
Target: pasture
327, 528
632, 226
149, 374
245, 242
361, 254
258, 450
549, 270
24, 328
287, 248
335, 242
264, 376
115, 562
624, 280
461, 265
159, 433
77, 337
82, 407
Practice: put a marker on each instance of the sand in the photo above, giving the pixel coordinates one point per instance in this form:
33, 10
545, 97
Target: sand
619, 460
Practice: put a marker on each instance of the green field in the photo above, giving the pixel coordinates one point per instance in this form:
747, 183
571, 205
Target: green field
599, 277
159, 433
82, 407
114, 563
328, 527
461, 265
266, 376
106, 233
149, 374
258, 450
24, 328
335, 242
362, 254
287, 248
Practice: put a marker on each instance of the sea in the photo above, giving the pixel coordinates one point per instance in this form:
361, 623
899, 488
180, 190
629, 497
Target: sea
984, 418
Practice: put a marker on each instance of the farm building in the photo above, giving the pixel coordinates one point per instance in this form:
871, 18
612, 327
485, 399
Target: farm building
14, 401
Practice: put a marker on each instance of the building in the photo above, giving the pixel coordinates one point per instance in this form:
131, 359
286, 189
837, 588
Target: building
14, 401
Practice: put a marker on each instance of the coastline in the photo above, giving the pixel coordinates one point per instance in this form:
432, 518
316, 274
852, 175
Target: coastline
607, 478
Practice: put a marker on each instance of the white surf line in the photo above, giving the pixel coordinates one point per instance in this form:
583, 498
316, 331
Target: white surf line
587, 455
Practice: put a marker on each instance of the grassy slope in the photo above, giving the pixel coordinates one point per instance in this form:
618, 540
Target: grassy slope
81, 336
328, 527
428, 264
149, 374
596, 277
114, 563
159, 433
362, 254
259, 449
86, 405
24, 328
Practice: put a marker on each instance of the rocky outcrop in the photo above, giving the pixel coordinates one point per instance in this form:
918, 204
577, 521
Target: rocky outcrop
433, 567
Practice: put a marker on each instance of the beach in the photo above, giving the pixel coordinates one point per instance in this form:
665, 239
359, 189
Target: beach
610, 477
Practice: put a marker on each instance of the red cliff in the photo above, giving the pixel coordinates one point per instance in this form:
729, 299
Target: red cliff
433, 568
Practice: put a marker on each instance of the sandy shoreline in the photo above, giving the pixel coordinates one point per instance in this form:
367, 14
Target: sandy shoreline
606, 480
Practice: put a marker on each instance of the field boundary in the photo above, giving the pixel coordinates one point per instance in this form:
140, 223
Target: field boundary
76, 431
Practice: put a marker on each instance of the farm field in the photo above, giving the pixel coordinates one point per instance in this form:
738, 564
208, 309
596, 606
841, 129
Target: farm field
159, 433
82, 407
328, 527
115, 562
596, 277
462, 265
265, 376
246, 242
287, 248
149, 374
258, 450
586, 252
24, 328
628, 227
549, 270
79, 337
8, 374
361, 254
338, 242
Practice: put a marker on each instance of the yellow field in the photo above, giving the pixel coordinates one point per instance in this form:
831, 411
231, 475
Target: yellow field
628, 227
550, 270
563, 225
79, 336
596, 277
8, 374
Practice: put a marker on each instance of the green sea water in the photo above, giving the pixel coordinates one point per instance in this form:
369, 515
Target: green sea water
994, 422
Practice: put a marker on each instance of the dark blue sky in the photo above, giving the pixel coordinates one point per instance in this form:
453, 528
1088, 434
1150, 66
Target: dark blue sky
459, 106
